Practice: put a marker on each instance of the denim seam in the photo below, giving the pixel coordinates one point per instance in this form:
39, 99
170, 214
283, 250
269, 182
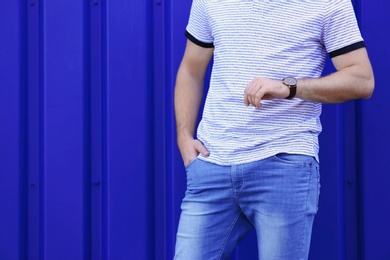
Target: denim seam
317, 168
310, 173
319, 185
228, 235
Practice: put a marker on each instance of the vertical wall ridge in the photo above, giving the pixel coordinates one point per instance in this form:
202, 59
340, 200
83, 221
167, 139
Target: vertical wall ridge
35, 127
149, 153
97, 180
24, 185
103, 98
159, 122
359, 155
87, 196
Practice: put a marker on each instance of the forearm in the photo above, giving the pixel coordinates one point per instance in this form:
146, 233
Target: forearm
188, 98
349, 82
338, 87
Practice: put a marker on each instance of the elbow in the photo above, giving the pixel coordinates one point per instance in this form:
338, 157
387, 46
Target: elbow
369, 87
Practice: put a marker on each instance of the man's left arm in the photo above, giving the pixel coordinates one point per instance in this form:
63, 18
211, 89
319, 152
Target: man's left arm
353, 79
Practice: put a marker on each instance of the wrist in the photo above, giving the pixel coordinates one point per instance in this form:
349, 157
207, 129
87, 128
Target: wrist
292, 84
182, 139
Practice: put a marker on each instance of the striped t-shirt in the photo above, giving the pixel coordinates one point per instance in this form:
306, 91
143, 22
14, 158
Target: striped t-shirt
265, 38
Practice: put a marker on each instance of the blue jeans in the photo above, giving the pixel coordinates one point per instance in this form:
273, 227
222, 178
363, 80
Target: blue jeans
278, 196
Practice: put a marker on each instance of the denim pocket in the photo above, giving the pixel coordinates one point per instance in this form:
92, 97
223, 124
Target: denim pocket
191, 163
293, 159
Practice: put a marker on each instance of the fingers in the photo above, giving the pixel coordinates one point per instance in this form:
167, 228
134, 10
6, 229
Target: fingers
191, 149
262, 89
254, 93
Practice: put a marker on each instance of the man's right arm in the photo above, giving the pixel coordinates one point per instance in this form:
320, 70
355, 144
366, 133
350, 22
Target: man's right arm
188, 98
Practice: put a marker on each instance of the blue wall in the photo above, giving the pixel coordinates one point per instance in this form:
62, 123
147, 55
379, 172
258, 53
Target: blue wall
88, 161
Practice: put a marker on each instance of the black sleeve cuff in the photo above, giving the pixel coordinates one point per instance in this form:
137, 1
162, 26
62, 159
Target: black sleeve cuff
197, 42
347, 49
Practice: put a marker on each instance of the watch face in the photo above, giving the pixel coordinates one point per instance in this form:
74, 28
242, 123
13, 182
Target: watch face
290, 81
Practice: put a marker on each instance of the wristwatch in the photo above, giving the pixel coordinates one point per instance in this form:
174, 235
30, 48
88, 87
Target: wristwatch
291, 83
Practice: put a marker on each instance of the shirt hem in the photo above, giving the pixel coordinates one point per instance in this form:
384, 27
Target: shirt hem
347, 49
198, 42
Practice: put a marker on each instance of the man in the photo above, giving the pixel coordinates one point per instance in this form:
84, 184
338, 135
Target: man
255, 160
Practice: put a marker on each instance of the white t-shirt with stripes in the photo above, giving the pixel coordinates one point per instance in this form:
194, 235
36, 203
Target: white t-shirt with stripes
273, 39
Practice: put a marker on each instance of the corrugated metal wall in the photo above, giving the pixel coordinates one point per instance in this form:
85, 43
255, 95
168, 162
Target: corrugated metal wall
88, 162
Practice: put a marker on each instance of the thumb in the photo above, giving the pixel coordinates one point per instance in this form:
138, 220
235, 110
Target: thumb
201, 148
267, 97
